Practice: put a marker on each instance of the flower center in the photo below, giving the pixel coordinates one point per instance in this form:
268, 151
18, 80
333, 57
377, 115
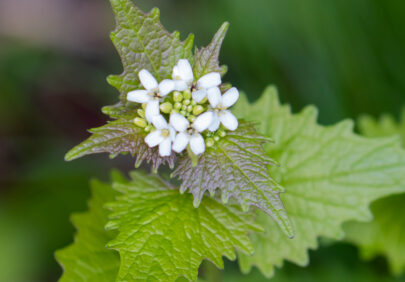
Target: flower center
165, 133
155, 93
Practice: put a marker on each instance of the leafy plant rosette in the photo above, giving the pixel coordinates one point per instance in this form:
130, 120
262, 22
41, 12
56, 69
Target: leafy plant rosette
174, 109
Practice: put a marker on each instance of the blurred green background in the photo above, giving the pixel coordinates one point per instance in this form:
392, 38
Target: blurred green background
346, 57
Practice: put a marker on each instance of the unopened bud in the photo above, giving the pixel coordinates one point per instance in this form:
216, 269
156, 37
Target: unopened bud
186, 102
140, 122
221, 133
189, 108
148, 128
177, 106
198, 110
216, 138
184, 107
144, 106
191, 118
187, 94
209, 142
166, 107
177, 97
141, 112
183, 113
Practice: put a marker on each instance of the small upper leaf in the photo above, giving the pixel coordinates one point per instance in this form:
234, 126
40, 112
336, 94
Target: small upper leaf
330, 174
87, 259
207, 59
162, 236
238, 166
384, 235
116, 137
143, 43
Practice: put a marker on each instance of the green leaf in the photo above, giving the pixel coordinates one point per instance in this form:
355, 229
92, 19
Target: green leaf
330, 174
385, 234
143, 43
163, 237
238, 166
120, 136
87, 259
207, 59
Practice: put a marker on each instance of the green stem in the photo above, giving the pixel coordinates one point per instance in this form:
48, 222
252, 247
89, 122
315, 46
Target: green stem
211, 273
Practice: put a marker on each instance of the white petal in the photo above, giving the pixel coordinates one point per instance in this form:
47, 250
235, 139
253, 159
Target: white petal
179, 122
154, 138
159, 122
230, 97
138, 96
172, 133
210, 80
180, 85
165, 148
197, 144
228, 120
166, 86
147, 80
152, 109
203, 121
215, 123
199, 95
184, 70
181, 141
214, 96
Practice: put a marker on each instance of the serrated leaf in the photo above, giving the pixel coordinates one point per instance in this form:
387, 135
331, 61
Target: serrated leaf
330, 174
120, 136
385, 234
143, 43
207, 59
87, 259
237, 165
163, 237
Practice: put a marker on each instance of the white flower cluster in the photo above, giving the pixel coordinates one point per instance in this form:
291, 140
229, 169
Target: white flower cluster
176, 111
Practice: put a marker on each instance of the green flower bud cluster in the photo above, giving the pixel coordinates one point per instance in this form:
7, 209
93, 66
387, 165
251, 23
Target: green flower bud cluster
212, 137
184, 105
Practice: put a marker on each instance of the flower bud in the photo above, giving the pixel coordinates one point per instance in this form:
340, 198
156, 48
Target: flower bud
177, 106
183, 113
187, 94
198, 110
191, 118
209, 142
216, 137
177, 97
140, 122
186, 102
144, 106
203, 101
141, 112
221, 133
184, 107
148, 128
166, 107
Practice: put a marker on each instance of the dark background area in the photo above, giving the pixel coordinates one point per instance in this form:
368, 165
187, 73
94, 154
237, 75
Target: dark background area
346, 57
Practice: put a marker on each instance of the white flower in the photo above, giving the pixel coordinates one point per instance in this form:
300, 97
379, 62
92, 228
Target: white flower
190, 134
183, 77
220, 104
163, 136
153, 93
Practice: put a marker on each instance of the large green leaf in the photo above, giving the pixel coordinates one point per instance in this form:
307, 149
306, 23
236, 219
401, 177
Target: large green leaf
207, 59
238, 166
87, 259
330, 174
161, 236
385, 234
119, 136
143, 43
